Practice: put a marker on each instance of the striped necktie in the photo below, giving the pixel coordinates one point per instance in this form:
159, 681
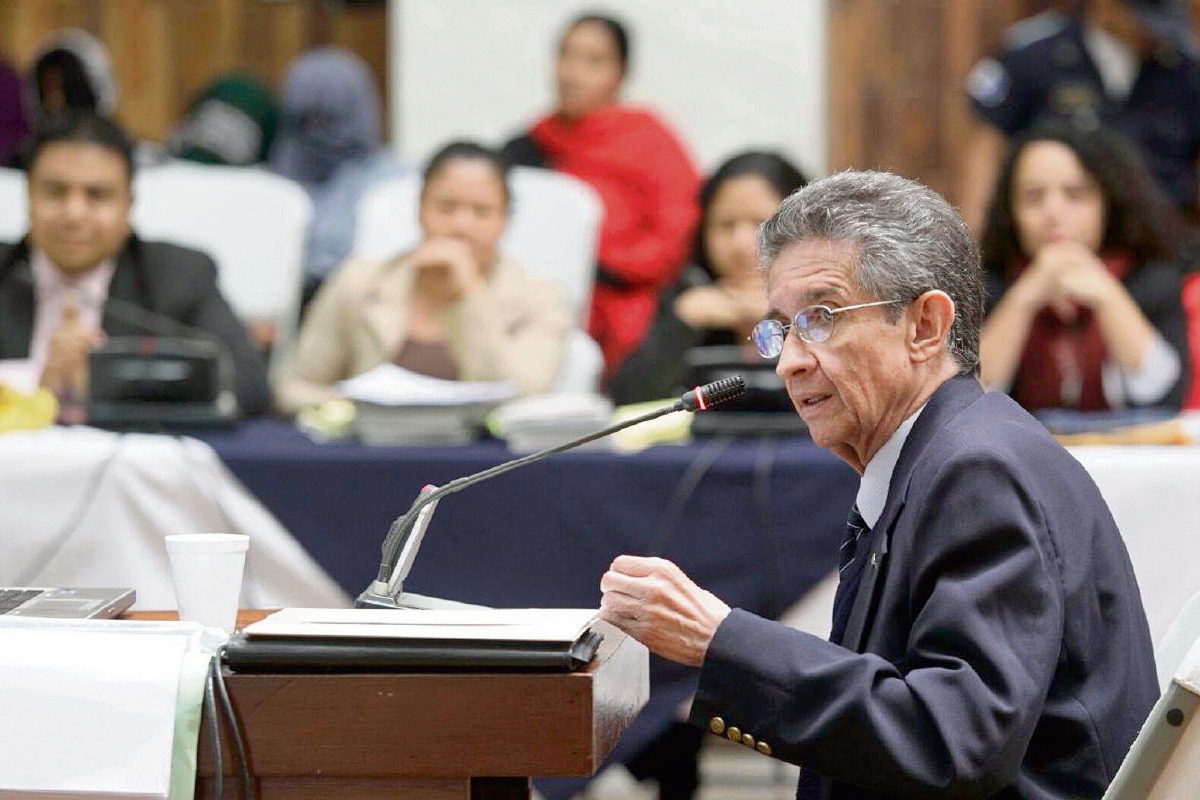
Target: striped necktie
851, 559
856, 526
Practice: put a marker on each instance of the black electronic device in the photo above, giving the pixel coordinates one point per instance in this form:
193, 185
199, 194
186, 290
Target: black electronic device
763, 410
155, 381
179, 378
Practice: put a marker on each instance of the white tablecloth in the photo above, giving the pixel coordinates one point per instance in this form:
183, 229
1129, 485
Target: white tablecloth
1154, 495
84, 507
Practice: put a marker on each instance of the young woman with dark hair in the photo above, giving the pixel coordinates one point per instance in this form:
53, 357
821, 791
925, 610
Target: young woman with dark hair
451, 308
1080, 254
720, 296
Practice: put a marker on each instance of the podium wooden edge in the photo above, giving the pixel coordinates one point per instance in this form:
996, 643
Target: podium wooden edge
429, 735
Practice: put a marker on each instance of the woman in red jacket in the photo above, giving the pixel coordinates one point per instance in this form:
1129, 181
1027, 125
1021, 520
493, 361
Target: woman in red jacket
637, 165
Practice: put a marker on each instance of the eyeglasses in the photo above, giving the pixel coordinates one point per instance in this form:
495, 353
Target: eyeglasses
813, 324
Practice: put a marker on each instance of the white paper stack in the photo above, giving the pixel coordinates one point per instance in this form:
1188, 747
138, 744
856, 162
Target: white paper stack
397, 406
537, 423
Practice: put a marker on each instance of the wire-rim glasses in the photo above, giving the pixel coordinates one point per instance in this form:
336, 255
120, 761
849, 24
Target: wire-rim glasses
813, 324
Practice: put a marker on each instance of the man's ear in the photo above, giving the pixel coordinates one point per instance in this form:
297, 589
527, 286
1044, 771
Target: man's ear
930, 317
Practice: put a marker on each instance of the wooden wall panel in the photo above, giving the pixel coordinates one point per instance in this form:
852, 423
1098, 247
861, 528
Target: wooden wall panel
896, 67
164, 51
896, 75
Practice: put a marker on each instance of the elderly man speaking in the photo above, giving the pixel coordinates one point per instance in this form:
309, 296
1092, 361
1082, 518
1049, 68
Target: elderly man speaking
988, 636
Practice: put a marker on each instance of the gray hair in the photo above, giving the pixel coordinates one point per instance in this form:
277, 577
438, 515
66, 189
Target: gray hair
908, 241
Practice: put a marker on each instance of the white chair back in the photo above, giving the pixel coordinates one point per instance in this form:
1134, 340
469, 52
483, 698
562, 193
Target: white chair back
1164, 761
14, 205
1178, 640
552, 230
252, 222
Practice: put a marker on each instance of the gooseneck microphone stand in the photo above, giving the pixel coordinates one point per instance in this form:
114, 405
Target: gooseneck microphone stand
404, 537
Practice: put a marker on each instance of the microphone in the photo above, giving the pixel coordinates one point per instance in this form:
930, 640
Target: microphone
702, 398
184, 374
404, 537
162, 325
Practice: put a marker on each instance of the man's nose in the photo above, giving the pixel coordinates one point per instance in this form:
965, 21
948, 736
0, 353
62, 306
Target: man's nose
74, 206
796, 357
461, 222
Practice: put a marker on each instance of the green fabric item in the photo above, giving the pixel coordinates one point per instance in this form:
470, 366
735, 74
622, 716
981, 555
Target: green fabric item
232, 121
189, 706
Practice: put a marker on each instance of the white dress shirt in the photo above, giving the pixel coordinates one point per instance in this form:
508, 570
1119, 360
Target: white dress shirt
877, 476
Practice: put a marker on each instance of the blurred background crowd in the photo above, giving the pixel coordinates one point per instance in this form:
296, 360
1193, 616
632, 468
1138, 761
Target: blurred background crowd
304, 183
1075, 163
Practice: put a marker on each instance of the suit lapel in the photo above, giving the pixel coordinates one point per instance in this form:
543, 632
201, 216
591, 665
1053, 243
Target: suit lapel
129, 285
864, 600
951, 397
17, 304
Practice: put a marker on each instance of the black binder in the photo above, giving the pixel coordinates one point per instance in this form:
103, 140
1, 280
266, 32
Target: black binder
312, 654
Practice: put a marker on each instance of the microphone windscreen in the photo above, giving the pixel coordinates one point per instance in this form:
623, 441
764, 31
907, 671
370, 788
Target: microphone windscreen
705, 397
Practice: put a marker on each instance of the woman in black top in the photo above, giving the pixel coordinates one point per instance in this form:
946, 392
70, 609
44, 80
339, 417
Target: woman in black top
720, 296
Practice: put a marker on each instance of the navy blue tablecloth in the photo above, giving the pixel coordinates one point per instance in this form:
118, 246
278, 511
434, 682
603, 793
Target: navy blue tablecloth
762, 525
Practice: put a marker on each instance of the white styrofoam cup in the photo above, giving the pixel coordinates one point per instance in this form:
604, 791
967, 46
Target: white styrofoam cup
206, 569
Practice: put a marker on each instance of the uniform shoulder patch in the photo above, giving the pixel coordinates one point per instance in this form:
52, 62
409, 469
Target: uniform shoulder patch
988, 82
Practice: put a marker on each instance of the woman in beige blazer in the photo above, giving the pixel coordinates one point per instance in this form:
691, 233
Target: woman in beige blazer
451, 308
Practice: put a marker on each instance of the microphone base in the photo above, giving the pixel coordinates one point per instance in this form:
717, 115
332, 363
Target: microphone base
408, 600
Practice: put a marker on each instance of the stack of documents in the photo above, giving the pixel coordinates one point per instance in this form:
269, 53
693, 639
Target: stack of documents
368, 639
397, 406
536, 423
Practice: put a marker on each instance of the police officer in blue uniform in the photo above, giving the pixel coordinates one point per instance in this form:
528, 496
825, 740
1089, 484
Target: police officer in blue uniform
1129, 64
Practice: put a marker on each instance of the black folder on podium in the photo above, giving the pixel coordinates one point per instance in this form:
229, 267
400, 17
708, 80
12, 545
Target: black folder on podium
369, 640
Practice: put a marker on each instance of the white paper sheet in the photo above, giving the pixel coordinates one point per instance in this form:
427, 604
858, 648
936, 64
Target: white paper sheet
390, 385
90, 706
502, 624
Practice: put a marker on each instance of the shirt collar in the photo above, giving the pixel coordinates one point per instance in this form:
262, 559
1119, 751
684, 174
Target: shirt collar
877, 476
91, 286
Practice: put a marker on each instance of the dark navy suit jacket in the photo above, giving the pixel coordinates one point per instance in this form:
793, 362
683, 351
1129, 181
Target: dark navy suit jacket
169, 280
1002, 650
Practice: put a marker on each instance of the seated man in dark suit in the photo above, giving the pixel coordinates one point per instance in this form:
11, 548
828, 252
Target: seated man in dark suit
57, 283
988, 635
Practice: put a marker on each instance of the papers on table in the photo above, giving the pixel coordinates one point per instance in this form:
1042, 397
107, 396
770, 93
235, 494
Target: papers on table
484, 625
397, 406
536, 423
390, 385
19, 374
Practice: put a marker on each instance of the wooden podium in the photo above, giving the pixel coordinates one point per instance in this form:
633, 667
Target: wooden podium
430, 736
